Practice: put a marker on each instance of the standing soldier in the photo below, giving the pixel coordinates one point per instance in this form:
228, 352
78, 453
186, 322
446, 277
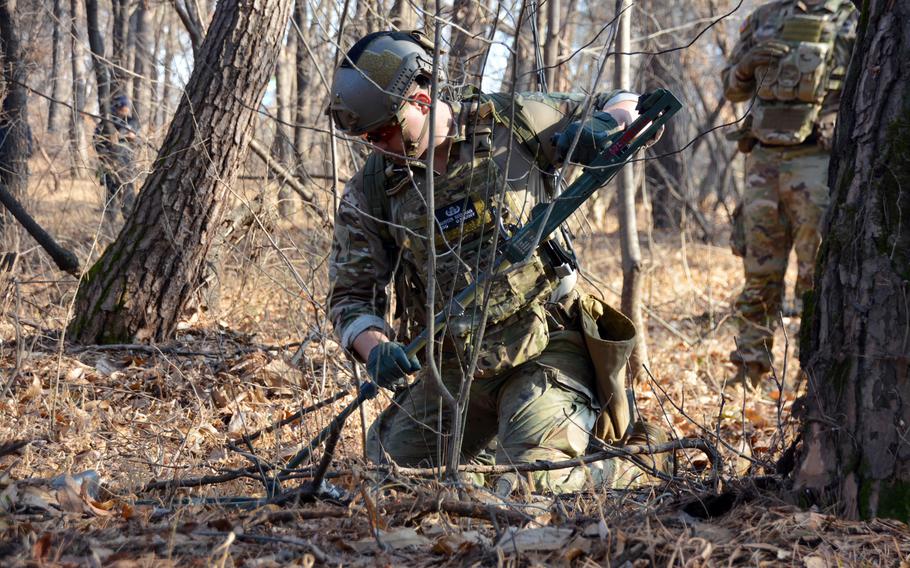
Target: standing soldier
535, 389
791, 59
115, 141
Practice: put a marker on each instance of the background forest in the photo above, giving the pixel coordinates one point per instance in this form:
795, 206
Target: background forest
150, 451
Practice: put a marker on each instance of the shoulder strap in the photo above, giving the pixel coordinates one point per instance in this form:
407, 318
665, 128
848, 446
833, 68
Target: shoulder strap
519, 122
377, 200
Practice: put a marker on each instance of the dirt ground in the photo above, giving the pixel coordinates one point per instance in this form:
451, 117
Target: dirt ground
146, 418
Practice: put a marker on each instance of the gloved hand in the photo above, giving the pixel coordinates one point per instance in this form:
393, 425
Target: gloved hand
596, 135
764, 53
389, 364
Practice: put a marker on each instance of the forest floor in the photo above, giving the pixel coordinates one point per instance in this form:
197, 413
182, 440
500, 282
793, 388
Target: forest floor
146, 418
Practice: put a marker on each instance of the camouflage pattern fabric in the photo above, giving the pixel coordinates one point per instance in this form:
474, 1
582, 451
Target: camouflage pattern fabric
803, 87
527, 392
535, 412
784, 203
794, 96
117, 170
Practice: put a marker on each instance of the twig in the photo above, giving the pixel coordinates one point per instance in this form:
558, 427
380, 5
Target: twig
285, 421
612, 452
289, 515
425, 506
651, 313
154, 349
705, 429
317, 553
10, 447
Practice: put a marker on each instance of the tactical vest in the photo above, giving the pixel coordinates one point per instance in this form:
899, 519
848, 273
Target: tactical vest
791, 91
469, 198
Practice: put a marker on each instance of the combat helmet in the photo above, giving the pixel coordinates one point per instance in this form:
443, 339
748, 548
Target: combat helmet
370, 84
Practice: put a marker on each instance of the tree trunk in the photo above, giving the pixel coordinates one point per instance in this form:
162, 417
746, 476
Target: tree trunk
143, 63
403, 16
466, 56
551, 47
14, 129
282, 150
139, 286
56, 66
665, 175
303, 96
855, 344
99, 62
170, 49
77, 61
631, 252
120, 61
520, 70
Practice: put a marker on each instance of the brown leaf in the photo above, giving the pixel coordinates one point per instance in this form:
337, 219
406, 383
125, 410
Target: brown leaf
540, 539
41, 547
222, 524
71, 497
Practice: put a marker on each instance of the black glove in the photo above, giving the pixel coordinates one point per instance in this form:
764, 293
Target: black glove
389, 364
596, 135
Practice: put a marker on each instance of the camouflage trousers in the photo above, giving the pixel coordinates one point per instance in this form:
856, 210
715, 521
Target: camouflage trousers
117, 176
541, 410
783, 207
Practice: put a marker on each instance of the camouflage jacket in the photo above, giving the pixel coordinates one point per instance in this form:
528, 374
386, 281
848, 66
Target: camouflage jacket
800, 94
381, 253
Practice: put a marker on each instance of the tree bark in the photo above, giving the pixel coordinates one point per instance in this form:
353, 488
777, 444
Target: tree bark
551, 47
138, 288
15, 135
167, 61
466, 56
143, 63
631, 252
855, 343
520, 74
302, 86
191, 21
77, 61
96, 45
56, 65
282, 146
120, 18
665, 175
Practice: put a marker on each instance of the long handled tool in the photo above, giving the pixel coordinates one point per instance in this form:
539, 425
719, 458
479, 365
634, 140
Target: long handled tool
655, 109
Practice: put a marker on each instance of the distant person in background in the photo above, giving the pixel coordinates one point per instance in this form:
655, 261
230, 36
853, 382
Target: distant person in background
791, 58
115, 141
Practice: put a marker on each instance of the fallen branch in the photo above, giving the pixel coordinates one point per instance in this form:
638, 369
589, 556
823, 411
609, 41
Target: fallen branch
64, 259
15, 445
427, 505
285, 421
155, 349
612, 452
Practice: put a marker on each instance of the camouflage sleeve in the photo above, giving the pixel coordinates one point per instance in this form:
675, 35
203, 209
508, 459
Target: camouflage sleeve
551, 113
735, 89
359, 268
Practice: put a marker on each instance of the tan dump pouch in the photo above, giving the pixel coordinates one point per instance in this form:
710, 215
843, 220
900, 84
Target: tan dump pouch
609, 337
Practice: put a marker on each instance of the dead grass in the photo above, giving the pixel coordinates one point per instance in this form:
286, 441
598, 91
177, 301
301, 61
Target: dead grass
169, 412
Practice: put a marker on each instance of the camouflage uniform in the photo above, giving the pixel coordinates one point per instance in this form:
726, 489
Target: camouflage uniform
790, 127
533, 389
116, 156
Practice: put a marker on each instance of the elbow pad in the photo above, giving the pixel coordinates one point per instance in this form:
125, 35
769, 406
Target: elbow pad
596, 135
